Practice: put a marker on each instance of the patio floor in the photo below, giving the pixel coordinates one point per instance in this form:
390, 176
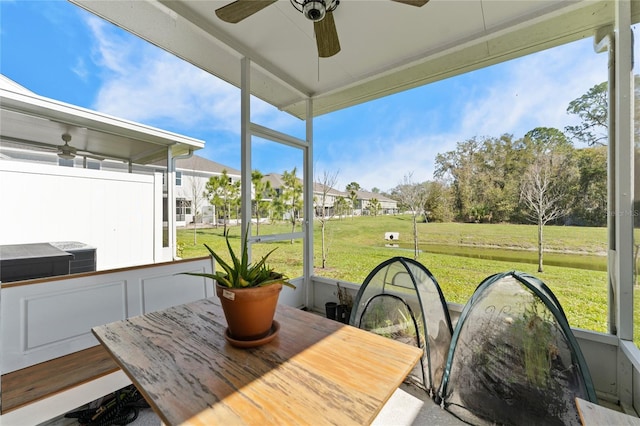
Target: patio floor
408, 406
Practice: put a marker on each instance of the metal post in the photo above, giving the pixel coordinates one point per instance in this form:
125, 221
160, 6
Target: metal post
245, 148
308, 206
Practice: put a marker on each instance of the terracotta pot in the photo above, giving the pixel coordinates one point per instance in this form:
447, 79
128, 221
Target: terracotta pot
249, 311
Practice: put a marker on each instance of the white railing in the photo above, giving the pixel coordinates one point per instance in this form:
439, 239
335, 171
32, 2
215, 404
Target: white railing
47, 318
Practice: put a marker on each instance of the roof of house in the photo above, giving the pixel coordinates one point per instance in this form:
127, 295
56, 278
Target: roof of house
32, 120
201, 164
274, 179
366, 195
319, 188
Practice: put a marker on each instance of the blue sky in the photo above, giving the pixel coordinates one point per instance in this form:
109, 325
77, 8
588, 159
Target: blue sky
57, 50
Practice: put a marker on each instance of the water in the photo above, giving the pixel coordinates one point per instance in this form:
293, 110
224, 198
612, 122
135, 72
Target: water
565, 260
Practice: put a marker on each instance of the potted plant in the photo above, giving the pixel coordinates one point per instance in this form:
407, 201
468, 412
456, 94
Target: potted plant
343, 310
248, 294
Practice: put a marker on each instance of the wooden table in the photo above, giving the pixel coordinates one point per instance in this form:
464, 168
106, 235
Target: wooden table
596, 415
316, 371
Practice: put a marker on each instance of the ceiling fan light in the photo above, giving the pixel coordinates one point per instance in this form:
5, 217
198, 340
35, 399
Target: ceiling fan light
66, 155
314, 10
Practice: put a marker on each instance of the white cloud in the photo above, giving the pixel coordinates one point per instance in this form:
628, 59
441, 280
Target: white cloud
385, 167
510, 98
143, 83
535, 91
80, 69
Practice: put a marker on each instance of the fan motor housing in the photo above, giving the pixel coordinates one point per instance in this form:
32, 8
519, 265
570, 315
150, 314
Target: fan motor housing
314, 10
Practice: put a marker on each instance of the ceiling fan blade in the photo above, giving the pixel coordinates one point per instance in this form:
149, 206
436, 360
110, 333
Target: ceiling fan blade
240, 9
327, 36
417, 3
90, 155
29, 143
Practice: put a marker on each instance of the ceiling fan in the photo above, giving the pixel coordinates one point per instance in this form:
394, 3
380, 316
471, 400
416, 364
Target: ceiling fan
318, 11
66, 151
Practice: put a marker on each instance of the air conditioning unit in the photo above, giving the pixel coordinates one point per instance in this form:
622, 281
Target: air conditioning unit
392, 236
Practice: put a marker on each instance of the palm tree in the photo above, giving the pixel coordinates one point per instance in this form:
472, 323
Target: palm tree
223, 192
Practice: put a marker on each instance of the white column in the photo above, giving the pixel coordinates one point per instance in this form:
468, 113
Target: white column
245, 145
171, 205
624, 174
624, 155
308, 205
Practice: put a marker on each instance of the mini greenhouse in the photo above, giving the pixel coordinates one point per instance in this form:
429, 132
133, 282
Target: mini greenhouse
401, 299
513, 358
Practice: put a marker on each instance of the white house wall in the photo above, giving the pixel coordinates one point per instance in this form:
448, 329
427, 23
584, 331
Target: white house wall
112, 212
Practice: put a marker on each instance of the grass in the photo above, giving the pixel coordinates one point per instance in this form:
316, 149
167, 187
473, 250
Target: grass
357, 245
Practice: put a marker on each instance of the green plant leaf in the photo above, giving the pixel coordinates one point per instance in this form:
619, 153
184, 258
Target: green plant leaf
240, 273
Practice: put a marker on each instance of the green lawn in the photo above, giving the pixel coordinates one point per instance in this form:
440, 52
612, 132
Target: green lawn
357, 245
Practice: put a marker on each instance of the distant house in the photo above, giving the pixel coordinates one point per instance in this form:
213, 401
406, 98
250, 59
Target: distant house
385, 204
363, 203
192, 175
325, 198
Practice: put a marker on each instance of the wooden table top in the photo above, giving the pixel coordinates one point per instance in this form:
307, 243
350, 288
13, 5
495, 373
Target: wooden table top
316, 371
596, 415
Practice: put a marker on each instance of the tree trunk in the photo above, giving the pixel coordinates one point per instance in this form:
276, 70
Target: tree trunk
540, 250
415, 238
635, 264
257, 220
227, 213
324, 254
195, 238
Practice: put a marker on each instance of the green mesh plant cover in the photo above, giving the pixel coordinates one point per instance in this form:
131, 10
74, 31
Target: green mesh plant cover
513, 358
400, 299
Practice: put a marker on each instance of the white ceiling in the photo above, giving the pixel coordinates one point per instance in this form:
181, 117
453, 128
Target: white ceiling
386, 46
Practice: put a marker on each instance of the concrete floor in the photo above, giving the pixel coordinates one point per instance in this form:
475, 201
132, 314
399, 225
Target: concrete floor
146, 417
408, 406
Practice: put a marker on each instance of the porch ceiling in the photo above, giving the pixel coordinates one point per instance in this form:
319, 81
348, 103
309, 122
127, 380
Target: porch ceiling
32, 120
387, 46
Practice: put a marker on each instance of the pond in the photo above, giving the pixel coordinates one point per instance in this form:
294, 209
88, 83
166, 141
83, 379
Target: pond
566, 260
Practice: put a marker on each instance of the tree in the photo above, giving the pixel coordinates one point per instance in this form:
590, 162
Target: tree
292, 196
437, 205
545, 140
590, 203
341, 206
592, 109
223, 192
544, 192
198, 194
278, 208
326, 184
261, 190
374, 206
413, 196
352, 190
481, 175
